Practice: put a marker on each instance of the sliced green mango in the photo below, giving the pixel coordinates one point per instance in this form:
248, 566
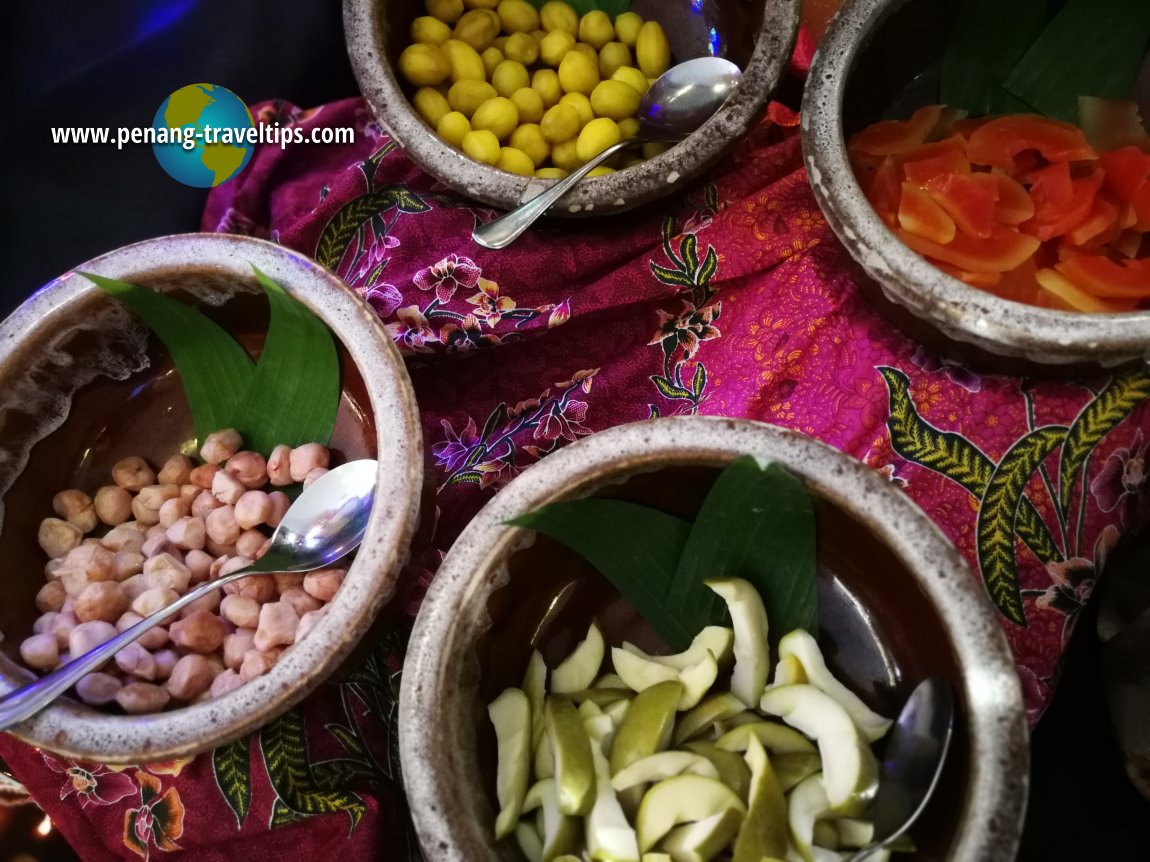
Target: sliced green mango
793, 768
648, 724
574, 769
618, 710
697, 681
749, 618
732, 768
657, 857
535, 687
665, 764
544, 756
805, 650
609, 680
510, 713
716, 640
704, 839
601, 729
588, 709
639, 674
698, 720
607, 833
579, 669
560, 832
602, 697
682, 799
808, 803
529, 841
764, 831
788, 671
855, 833
776, 738
826, 834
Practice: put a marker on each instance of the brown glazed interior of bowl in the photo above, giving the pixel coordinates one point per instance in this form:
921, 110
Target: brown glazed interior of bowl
146, 414
879, 632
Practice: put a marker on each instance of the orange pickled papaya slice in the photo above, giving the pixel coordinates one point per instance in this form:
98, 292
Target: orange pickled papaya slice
969, 199
997, 142
1103, 217
1127, 171
1055, 214
1106, 278
890, 137
919, 214
1014, 204
928, 161
1003, 250
1074, 298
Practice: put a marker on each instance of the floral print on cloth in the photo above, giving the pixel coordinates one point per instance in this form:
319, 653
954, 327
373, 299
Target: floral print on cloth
731, 298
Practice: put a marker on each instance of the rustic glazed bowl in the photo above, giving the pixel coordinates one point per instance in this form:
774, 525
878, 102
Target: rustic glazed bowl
896, 603
757, 35
82, 384
879, 59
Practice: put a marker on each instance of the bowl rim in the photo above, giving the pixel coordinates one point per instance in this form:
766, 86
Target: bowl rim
962, 312
617, 192
999, 737
71, 729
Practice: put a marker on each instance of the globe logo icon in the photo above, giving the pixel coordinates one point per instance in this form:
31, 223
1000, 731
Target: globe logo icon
206, 131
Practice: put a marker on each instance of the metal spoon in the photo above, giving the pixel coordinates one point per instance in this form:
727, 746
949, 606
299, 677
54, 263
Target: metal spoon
680, 101
912, 763
326, 522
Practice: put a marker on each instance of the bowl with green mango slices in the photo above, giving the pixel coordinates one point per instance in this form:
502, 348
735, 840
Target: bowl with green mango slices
685, 639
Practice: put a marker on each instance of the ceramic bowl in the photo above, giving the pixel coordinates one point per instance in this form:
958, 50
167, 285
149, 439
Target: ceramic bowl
897, 603
757, 35
82, 385
881, 58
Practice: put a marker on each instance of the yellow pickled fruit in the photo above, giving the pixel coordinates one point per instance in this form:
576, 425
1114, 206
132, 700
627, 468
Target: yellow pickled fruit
447, 11
467, 96
501, 43
496, 115
545, 82
633, 77
560, 123
431, 105
466, 64
424, 65
595, 29
628, 127
482, 146
508, 77
556, 15
518, 16
453, 127
529, 104
588, 52
478, 28
529, 138
429, 30
596, 136
652, 51
613, 56
614, 99
551, 173
491, 58
522, 48
539, 34
652, 150
480, 4
515, 162
577, 74
582, 106
600, 171
565, 156
555, 46
627, 28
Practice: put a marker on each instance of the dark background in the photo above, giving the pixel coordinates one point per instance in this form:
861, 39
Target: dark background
113, 62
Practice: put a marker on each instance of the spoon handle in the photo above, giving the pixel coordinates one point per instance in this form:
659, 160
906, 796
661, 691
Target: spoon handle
507, 228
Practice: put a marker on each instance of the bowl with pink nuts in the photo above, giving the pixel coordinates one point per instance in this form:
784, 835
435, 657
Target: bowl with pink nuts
111, 507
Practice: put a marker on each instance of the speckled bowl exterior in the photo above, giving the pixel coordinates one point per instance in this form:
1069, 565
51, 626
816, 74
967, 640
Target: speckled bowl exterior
71, 314
366, 24
962, 320
438, 694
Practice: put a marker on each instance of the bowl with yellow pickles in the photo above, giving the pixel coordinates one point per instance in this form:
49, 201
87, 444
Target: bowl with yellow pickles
687, 639
499, 98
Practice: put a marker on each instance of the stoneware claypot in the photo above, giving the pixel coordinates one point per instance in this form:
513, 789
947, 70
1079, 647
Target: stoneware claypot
757, 35
880, 59
82, 385
896, 603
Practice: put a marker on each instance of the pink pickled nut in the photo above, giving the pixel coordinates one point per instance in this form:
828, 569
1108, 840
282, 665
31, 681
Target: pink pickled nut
57, 537
104, 600
44, 622
199, 564
152, 639
113, 505
250, 468
278, 624
138, 698
202, 632
62, 628
132, 474
73, 581
308, 622
135, 585
281, 502
317, 473
218, 549
65, 657
279, 466
87, 636
40, 652
188, 493
175, 471
257, 663
190, 678
227, 488
143, 514
204, 504
252, 509
226, 682
216, 660
167, 571
174, 509
188, 534
261, 588
126, 564
53, 569
286, 580
137, 661
50, 597
165, 660
240, 611
221, 445
76, 508
300, 600
98, 563
154, 496
209, 603
237, 645
123, 538
203, 475
221, 525
156, 545
153, 599
324, 583
250, 544
97, 689
306, 458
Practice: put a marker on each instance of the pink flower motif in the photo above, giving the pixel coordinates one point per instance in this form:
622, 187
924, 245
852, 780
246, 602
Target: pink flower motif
384, 298
491, 304
96, 785
687, 329
453, 451
447, 276
1121, 484
560, 314
376, 254
563, 421
234, 221
413, 331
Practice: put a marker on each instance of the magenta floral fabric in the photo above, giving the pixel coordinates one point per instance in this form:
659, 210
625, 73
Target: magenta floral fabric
731, 298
